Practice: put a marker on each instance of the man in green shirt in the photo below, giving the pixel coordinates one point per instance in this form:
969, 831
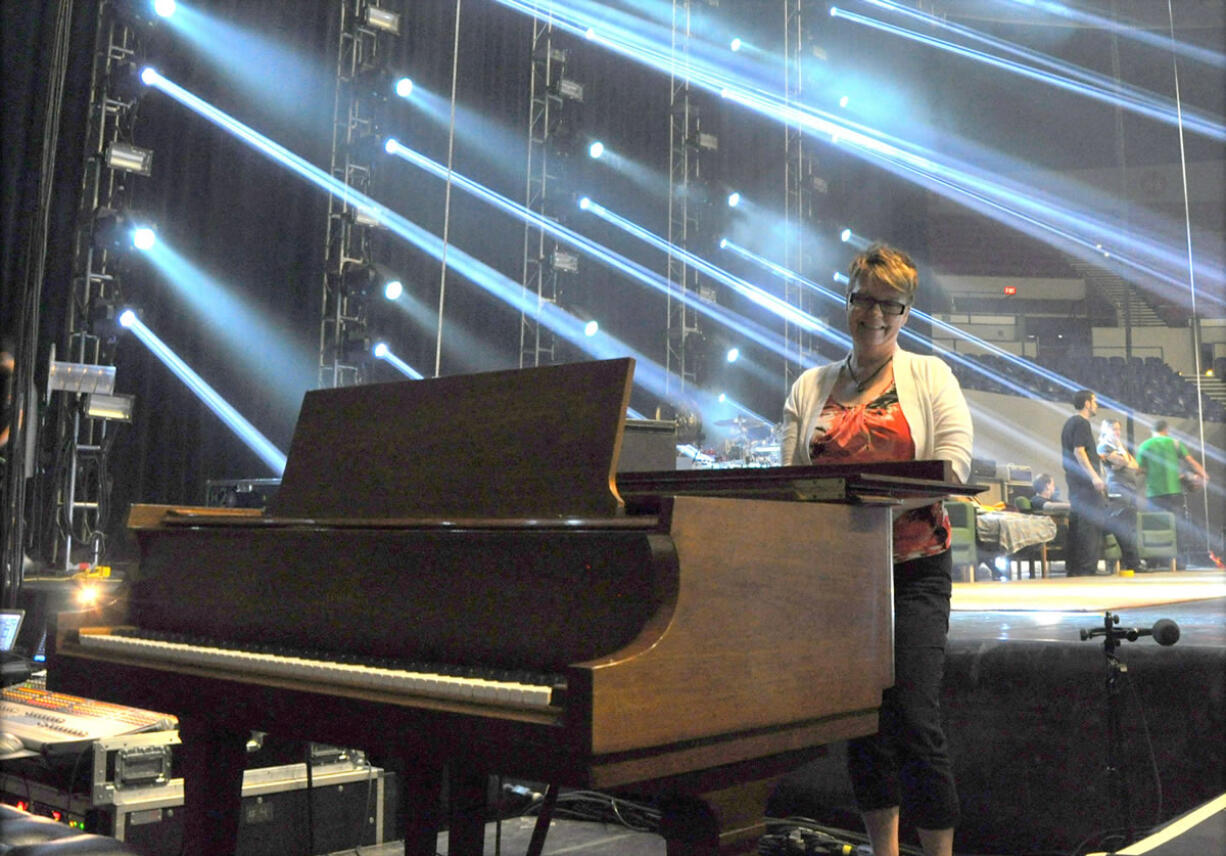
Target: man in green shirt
1159, 459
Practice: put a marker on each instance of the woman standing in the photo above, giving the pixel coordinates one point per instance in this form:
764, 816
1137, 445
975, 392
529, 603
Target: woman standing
882, 403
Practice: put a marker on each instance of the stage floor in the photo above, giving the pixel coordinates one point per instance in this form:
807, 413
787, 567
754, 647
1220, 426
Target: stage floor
1055, 609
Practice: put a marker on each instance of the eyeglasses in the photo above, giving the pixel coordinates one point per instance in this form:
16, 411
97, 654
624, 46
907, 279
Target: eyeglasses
863, 301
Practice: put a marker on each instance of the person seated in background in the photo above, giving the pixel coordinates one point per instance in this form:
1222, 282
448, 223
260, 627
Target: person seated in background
1122, 480
1044, 496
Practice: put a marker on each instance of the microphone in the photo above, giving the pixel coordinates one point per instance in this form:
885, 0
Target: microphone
1164, 631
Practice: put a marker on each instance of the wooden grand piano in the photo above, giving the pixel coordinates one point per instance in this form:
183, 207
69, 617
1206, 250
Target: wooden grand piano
450, 577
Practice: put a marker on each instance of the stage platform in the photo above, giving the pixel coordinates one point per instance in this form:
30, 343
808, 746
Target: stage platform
1026, 706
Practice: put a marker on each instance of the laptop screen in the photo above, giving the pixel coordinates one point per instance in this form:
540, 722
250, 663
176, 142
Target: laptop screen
10, 623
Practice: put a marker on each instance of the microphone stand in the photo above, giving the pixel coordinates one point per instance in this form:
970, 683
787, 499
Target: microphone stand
1121, 796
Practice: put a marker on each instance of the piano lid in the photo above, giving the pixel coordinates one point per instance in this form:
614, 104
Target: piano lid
541, 441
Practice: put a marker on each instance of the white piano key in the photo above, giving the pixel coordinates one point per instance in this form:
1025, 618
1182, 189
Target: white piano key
509, 693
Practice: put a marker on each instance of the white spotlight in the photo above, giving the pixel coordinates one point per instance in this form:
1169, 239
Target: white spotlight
404, 87
735, 45
383, 19
144, 238
734, 199
164, 8
391, 146
380, 350
845, 235
127, 318
596, 149
591, 328
723, 243
843, 101
393, 289
585, 203
733, 355
149, 75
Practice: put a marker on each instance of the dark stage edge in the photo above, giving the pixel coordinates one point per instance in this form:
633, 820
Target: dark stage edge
1025, 706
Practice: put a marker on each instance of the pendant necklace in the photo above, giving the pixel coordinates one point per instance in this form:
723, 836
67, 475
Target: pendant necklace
862, 385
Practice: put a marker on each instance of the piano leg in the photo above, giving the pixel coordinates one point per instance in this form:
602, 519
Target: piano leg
721, 811
213, 763
468, 799
718, 822
421, 789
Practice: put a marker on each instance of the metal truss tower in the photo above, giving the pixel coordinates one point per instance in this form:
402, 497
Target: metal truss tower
683, 170
800, 184
344, 343
537, 344
82, 480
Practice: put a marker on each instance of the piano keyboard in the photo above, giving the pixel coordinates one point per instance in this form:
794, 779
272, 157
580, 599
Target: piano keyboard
525, 690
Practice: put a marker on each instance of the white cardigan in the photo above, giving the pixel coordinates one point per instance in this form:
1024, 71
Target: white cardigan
928, 393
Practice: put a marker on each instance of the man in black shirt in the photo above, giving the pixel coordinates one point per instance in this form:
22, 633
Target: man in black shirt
1087, 492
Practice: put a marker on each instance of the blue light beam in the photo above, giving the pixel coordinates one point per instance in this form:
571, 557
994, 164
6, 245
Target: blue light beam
257, 442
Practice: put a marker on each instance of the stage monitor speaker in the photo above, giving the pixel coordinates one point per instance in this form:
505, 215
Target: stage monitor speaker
983, 468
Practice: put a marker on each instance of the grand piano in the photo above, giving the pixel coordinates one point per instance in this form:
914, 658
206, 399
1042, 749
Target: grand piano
454, 578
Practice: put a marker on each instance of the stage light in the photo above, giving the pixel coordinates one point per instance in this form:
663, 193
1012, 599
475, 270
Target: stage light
144, 238
164, 8
733, 355
841, 277
723, 243
564, 262
845, 235
149, 76
591, 328
595, 150
115, 407
584, 203
383, 19
120, 231
363, 280
404, 87
734, 199
127, 318
383, 352
571, 89
80, 378
86, 596
129, 158
844, 101
735, 45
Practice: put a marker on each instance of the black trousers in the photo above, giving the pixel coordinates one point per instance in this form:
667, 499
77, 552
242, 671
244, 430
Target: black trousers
1087, 514
1122, 523
906, 763
1187, 539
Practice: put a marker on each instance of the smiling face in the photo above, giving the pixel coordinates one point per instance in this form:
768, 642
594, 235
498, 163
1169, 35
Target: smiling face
872, 330
880, 274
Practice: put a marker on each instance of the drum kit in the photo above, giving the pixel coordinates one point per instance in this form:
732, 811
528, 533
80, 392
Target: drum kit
750, 443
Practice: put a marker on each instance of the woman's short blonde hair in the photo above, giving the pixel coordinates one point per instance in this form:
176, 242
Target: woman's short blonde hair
886, 265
